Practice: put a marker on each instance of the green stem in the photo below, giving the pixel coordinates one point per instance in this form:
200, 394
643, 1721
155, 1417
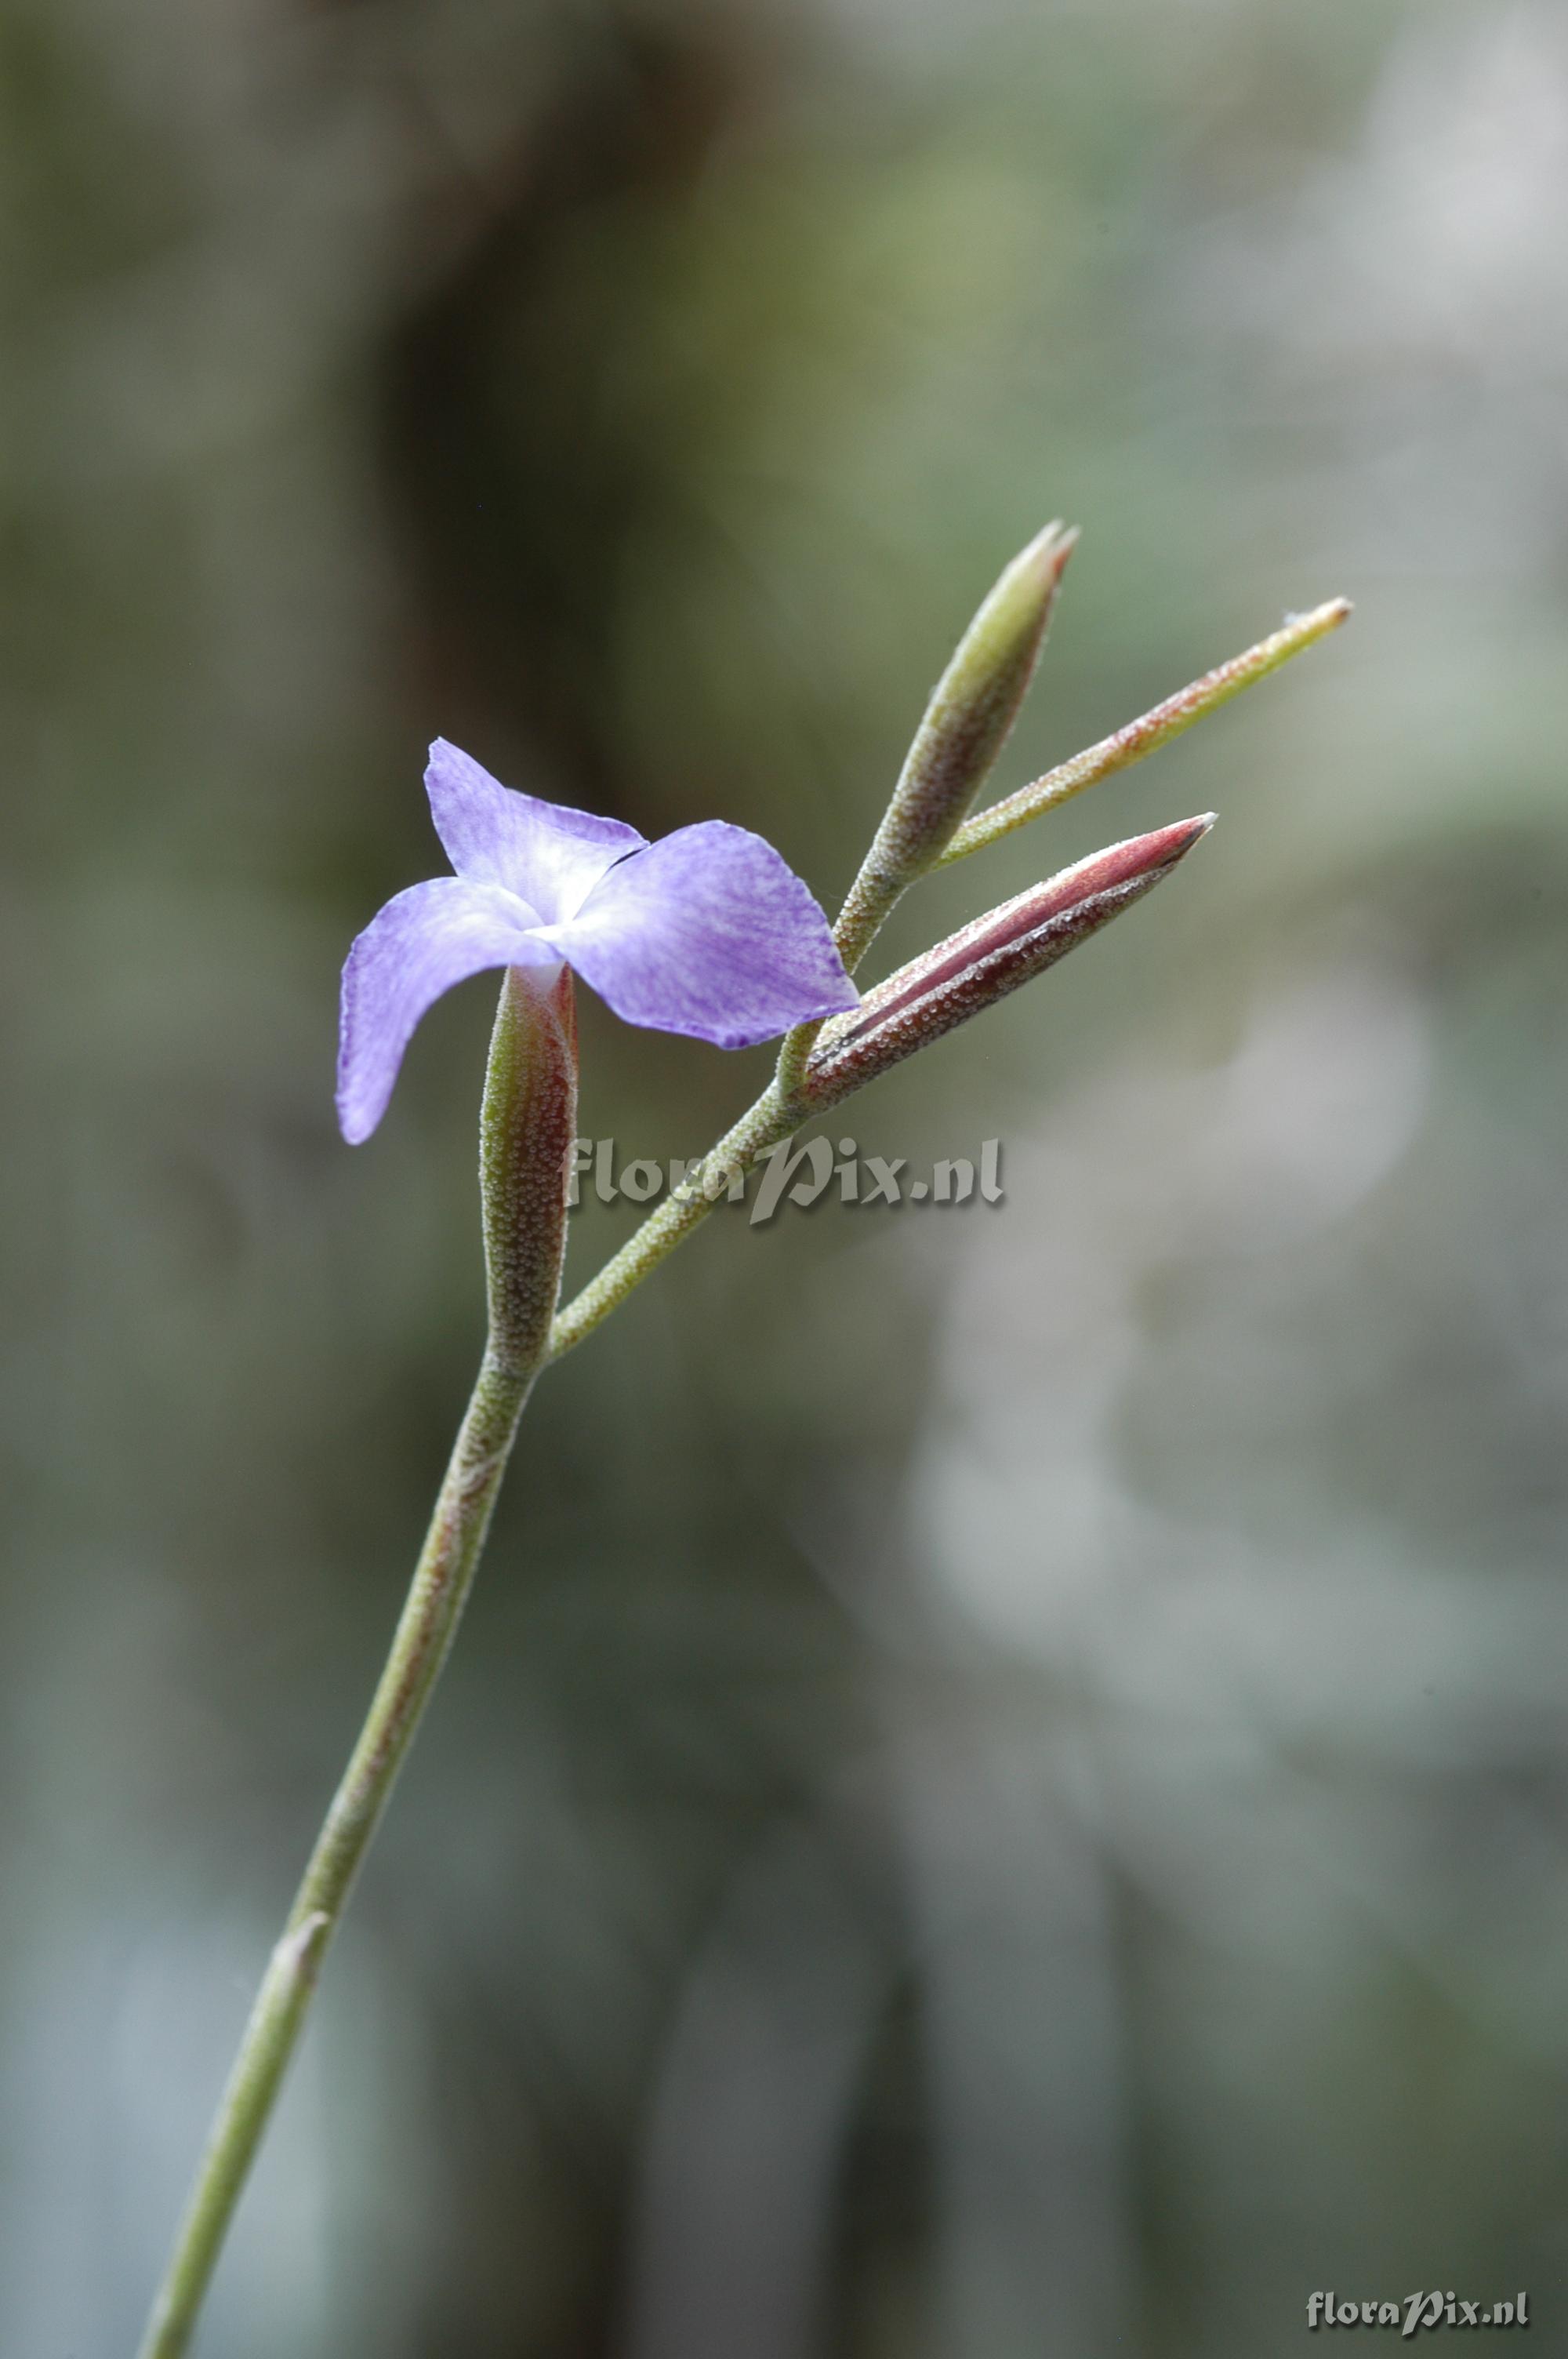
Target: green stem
425, 1631
763, 1125
789, 1073
526, 1130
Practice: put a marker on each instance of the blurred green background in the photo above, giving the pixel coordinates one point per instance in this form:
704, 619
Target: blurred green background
1003, 1791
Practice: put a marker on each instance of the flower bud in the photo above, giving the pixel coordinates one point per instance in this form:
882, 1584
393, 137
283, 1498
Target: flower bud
967, 723
987, 959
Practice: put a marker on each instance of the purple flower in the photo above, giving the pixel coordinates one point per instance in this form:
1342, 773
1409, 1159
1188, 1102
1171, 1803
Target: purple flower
706, 932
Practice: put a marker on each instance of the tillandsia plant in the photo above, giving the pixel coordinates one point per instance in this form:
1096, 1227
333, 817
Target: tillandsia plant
706, 932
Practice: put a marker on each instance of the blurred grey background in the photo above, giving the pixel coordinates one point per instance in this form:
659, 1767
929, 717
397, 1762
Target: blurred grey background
1003, 1791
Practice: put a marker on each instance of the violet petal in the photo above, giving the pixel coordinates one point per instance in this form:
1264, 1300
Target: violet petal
549, 854
422, 942
707, 932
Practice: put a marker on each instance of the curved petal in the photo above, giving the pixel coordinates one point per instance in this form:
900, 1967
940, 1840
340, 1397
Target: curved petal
422, 942
707, 932
550, 854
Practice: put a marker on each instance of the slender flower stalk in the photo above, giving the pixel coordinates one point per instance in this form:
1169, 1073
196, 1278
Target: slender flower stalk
528, 1126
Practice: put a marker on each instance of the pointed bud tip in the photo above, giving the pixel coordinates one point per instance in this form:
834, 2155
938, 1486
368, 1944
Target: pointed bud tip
1046, 555
1138, 856
1188, 831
